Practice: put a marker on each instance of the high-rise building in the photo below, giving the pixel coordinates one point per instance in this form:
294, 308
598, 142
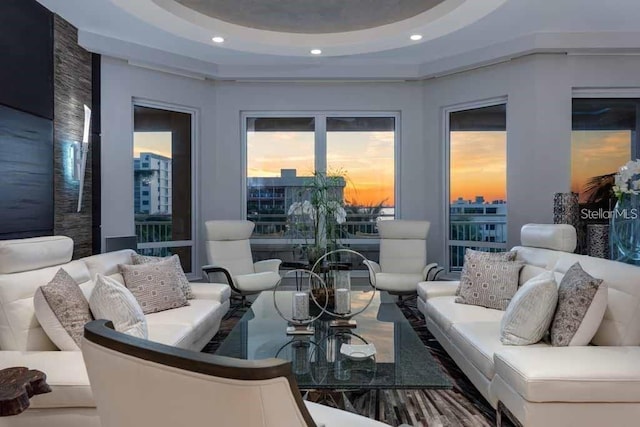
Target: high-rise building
152, 184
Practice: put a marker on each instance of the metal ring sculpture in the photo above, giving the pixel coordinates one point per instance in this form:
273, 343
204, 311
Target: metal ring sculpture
373, 284
310, 319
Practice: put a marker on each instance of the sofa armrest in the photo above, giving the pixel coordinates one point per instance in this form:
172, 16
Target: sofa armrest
267, 265
220, 292
571, 374
437, 288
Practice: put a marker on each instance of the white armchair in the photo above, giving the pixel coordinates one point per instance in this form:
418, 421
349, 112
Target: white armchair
229, 253
137, 382
403, 257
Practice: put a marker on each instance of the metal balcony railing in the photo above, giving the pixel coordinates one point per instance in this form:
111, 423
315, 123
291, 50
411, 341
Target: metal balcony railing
488, 233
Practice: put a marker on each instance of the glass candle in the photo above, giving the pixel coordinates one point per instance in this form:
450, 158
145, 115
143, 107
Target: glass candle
300, 309
343, 301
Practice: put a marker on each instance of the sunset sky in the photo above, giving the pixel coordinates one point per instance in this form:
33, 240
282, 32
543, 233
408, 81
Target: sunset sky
595, 153
365, 159
152, 142
478, 165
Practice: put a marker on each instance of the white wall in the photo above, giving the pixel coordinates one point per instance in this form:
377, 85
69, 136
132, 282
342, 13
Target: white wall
121, 83
538, 88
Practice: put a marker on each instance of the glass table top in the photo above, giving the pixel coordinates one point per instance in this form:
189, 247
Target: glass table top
401, 359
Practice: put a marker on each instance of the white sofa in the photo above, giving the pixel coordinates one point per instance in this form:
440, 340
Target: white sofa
25, 265
540, 385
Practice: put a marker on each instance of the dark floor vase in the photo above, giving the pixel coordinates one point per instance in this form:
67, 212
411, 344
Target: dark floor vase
625, 230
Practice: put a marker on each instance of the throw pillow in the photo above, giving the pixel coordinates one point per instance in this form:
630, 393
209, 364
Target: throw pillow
471, 255
183, 282
113, 301
154, 285
62, 310
490, 284
582, 301
530, 312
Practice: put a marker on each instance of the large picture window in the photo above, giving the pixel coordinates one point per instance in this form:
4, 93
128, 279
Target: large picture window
284, 154
604, 137
162, 142
477, 139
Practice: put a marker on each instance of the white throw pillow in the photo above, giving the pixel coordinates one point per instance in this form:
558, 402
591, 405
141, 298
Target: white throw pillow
530, 311
113, 301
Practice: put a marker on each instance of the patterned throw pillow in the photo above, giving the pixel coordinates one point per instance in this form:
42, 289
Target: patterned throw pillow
111, 300
530, 312
471, 255
62, 310
582, 301
155, 285
183, 282
490, 284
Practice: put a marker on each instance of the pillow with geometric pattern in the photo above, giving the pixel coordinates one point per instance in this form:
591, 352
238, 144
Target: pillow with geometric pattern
183, 282
155, 285
490, 284
472, 255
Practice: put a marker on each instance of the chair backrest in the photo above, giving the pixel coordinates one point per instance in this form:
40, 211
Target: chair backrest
228, 245
137, 382
403, 246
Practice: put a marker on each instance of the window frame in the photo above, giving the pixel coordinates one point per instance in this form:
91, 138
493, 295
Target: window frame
446, 137
195, 186
320, 155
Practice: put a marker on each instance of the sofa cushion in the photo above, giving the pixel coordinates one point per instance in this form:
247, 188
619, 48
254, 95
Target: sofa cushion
582, 300
181, 327
37, 252
489, 284
529, 314
399, 282
66, 374
478, 341
444, 311
220, 292
62, 310
107, 263
437, 288
154, 285
111, 300
183, 282
571, 374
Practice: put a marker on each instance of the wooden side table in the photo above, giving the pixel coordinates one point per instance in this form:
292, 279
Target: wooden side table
17, 386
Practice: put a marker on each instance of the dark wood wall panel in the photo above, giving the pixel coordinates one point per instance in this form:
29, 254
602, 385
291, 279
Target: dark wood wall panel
26, 174
26, 49
72, 90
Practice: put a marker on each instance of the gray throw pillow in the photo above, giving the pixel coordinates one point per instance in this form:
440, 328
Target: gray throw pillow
183, 282
155, 285
62, 311
471, 255
490, 284
582, 301
529, 314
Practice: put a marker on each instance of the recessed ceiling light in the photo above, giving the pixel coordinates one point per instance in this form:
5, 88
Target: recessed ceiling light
316, 52
416, 37
218, 39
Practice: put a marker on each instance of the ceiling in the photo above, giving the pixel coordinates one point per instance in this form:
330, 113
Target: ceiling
359, 39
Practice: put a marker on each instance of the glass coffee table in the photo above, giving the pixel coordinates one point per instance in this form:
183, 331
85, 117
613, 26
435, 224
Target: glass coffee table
401, 360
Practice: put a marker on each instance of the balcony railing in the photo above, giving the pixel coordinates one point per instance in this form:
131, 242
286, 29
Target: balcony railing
153, 231
488, 234
278, 226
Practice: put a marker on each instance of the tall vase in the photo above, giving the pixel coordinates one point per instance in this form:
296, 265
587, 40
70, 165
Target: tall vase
625, 229
567, 211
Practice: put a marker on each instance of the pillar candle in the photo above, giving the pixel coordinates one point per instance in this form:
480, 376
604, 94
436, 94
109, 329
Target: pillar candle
343, 301
300, 309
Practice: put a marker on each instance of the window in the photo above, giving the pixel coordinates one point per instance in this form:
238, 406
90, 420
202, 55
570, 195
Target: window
163, 138
603, 138
477, 184
284, 152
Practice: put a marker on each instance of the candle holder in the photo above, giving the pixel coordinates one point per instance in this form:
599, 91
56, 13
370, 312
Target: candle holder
342, 295
300, 321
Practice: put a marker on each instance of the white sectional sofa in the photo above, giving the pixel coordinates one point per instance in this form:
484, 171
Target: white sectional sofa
25, 265
540, 385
